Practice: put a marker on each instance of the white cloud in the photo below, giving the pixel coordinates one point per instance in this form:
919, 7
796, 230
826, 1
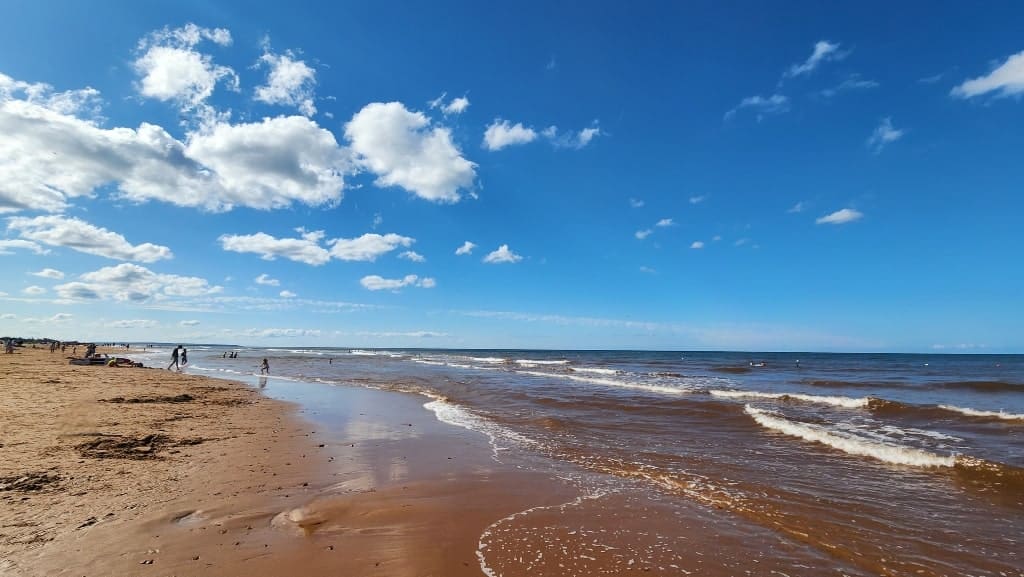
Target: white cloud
824, 51
189, 323
290, 82
716, 238
502, 255
286, 294
648, 270
306, 249
133, 324
367, 247
665, 222
697, 199
741, 241
851, 83
412, 255
49, 273
128, 282
377, 220
502, 133
456, 106
1007, 79
172, 70
280, 333
774, 104
34, 290
570, 138
883, 135
841, 216
265, 279
466, 248
7, 245
402, 149
85, 101
635, 203
48, 156
798, 207
8, 316
377, 283
79, 235
642, 234
697, 244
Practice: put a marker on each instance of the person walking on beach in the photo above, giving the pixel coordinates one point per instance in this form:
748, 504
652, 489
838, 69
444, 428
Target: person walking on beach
174, 359
265, 368
184, 356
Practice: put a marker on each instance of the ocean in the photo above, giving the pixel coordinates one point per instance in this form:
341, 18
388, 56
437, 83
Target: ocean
720, 463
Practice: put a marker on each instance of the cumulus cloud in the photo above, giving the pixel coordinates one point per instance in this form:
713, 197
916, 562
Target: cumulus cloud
571, 138
265, 279
502, 133
884, 134
79, 235
128, 282
1007, 79
290, 81
665, 222
48, 156
762, 106
502, 255
306, 249
34, 290
413, 256
49, 273
367, 247
8, 316
133, 324
403, 149
377, 283
286, 294
642, 234
824, 51
452, 107
170, 68
7, 244
697, 244
841, 216
466, 248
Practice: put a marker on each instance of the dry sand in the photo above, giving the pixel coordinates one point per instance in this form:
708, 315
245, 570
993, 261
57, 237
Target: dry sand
141, 471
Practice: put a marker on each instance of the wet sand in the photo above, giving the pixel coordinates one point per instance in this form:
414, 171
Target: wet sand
142, 471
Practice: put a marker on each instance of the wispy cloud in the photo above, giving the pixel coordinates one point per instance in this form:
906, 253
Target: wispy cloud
265, 279
761, 105
884, 134
852, 83
466, 248
376, 283
287, 294
824, 51
49, 273
1007, 79
698, 199
642, 234
697, 244
636, 203
841, 216
665, 222
798, 207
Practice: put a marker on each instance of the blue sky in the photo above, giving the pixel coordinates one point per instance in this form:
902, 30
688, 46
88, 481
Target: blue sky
537, 175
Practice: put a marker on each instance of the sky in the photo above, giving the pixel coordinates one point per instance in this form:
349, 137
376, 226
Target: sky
659, 175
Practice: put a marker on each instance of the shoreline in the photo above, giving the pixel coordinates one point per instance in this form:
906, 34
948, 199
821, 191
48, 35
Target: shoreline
118, 471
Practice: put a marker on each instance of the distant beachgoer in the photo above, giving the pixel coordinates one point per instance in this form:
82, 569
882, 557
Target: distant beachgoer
90, 350
174, 359
184, 356
224, 355
265, 368
330, 361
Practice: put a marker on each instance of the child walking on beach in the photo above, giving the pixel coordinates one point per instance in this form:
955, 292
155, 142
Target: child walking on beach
265, 368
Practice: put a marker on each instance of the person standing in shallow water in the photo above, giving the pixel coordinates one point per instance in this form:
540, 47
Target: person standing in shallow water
265, 368
184, 356
174, 359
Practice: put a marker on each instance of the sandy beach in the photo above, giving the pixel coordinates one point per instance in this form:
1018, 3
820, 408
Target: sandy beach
144, 471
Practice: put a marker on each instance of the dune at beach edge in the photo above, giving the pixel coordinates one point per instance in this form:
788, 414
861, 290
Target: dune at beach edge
142, 471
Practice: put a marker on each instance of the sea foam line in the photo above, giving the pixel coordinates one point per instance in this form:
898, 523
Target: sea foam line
610, 383
594, 370
887, 452
848, 402
979, 413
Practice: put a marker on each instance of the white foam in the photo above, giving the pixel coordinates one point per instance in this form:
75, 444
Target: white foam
848, 402
361, 353
611, 383
979, 413
595, 371
888, 452
453, 414
489, 359
535, 362
426, 362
